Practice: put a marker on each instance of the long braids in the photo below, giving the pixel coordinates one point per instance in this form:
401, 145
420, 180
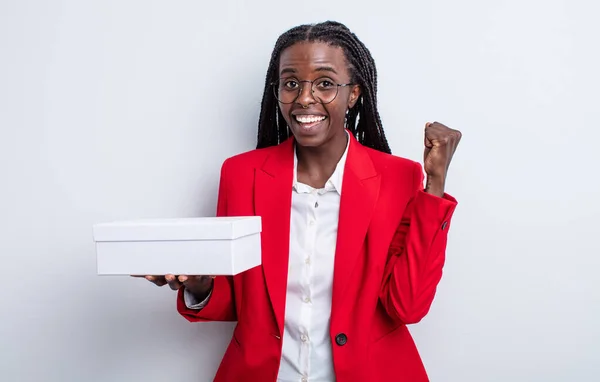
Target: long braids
363, 120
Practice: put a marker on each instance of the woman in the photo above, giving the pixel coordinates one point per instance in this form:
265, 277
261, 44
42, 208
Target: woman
353, 245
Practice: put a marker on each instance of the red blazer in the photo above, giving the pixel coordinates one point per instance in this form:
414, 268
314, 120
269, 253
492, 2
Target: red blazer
388, 261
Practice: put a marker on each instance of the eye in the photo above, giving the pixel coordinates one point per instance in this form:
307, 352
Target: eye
290, 84
325, 84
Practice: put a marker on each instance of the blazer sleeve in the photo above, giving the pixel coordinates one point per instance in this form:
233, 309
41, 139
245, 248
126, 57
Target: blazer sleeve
221, 303
417, 254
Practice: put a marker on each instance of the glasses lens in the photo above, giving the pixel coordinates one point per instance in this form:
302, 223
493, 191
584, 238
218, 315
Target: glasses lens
323, 90
286, 91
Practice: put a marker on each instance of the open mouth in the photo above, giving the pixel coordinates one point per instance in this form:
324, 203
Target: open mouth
309, 122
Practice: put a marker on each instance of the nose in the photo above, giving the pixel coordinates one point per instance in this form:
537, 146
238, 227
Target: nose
306, 96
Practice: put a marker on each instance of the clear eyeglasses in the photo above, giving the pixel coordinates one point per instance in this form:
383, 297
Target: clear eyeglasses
323, 89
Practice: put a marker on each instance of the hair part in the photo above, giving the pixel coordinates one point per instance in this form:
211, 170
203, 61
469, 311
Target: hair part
362, 120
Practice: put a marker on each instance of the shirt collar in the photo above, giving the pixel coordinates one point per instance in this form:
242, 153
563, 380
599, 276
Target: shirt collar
334, 182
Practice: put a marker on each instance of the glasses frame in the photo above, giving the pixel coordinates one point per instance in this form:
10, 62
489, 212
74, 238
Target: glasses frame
275, 86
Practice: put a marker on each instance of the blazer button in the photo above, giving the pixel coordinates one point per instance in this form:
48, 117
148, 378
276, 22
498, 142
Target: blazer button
341, 339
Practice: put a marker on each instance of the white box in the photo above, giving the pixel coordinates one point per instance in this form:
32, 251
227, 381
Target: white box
189, 246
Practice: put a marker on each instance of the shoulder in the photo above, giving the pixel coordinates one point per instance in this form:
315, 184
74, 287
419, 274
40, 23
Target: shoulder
397, 172
385, 162
247, 160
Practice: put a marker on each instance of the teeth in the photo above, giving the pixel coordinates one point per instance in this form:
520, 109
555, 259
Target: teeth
309, 118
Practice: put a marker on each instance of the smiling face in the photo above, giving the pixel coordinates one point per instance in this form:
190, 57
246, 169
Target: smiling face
312, 120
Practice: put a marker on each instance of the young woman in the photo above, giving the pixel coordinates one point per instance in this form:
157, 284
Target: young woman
353, 244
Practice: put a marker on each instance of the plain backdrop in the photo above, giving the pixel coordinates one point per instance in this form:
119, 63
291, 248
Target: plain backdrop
126, 109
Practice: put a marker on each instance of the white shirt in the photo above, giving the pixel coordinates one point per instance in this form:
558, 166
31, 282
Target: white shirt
307, 353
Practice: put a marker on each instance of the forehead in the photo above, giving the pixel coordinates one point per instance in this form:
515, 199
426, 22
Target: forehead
309, 57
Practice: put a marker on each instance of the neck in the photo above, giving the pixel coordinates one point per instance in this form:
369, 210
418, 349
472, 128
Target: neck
317, 164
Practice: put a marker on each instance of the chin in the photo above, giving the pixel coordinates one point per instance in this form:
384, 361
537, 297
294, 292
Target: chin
305, 140
311, 136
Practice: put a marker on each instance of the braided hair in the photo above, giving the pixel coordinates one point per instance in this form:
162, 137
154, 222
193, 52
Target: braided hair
362, 120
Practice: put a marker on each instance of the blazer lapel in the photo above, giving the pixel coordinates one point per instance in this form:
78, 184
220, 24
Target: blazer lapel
273, 201
360, 190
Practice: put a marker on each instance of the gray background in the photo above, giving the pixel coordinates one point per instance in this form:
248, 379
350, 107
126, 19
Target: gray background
126, 109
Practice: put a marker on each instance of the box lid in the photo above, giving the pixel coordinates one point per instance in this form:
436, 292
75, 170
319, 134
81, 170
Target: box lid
205, 228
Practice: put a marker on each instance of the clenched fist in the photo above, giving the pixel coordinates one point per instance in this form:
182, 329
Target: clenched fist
440, 145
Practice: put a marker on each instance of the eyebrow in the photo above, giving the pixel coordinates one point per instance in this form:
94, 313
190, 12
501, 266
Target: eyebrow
288, 70
319, 69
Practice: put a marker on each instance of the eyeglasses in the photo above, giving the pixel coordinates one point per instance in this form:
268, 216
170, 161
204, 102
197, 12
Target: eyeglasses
323, 90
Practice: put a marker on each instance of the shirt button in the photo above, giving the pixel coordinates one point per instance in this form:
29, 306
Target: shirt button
304, 338
316, 204
304, 379
444, 225
307, 261
306, 300
312, 222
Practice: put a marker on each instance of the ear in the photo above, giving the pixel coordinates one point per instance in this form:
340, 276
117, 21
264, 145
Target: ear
354, 95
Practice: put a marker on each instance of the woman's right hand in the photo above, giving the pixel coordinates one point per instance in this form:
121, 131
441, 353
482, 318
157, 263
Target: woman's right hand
199, 286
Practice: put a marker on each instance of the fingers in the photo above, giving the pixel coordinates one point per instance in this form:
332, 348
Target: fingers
183, 278
176, 282
173, 282
434, 131
457, 137
437, 133
198, 285
440, 144
195, 281
428, 143
157, 280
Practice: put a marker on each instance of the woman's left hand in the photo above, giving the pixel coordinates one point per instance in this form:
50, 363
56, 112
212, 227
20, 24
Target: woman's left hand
440, 144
